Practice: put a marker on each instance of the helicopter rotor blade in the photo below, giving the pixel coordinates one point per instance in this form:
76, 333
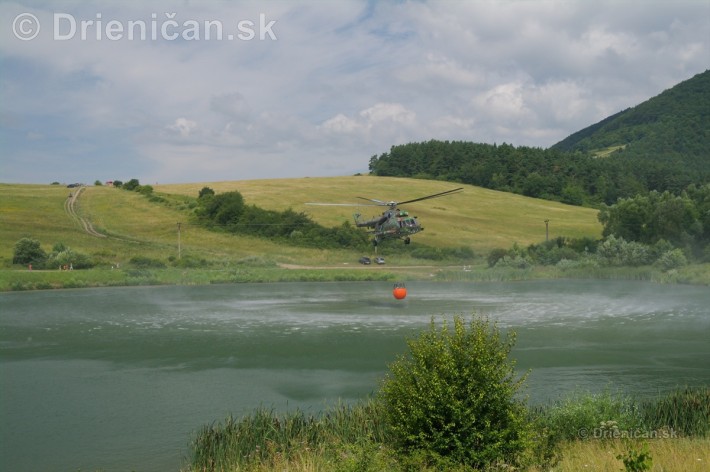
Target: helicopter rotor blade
378, 202
436, 195
341, 204
391, 204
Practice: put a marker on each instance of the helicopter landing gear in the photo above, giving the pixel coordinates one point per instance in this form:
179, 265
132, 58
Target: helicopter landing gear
407, 240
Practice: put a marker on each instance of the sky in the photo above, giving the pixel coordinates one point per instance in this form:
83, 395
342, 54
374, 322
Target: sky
188, 91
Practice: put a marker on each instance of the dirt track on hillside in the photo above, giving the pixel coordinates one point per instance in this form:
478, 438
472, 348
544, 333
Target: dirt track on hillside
70, 207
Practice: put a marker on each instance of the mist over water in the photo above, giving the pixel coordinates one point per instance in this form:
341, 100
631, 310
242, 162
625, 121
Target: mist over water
120, 378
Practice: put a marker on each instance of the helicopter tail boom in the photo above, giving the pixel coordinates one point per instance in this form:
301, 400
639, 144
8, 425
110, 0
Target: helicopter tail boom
374, 222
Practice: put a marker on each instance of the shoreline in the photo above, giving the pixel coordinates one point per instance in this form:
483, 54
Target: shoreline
13, 280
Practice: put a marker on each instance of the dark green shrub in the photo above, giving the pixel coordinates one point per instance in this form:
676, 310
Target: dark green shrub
204, 192
495, 255
29, 251
132, 184
68, 257
637, 460
453, 396
671, 260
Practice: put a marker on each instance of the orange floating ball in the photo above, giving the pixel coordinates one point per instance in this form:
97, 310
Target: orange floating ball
399, 291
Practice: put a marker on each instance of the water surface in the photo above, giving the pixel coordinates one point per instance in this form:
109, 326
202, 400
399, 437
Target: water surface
120, 378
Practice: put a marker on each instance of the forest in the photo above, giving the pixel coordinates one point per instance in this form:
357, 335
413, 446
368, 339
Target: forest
646, 168
662, 144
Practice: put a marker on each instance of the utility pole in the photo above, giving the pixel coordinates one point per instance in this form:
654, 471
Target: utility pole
179, 248
547, 230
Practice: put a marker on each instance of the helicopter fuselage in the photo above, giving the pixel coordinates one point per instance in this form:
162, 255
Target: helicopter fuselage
393, 223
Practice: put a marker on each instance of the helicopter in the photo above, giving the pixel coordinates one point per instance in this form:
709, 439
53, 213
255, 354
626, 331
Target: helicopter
394, 223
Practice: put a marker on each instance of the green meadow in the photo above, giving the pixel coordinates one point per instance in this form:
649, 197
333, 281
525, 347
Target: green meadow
479, 218
137, 226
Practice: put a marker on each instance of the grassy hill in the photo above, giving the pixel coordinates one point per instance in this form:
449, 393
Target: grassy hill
478, 218
672, 125
662, 144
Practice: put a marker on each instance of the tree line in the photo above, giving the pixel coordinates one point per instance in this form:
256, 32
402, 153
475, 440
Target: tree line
576, 178
656, 228
228, 212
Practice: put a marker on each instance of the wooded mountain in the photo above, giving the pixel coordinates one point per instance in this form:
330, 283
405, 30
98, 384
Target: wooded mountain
672, 125
661, 144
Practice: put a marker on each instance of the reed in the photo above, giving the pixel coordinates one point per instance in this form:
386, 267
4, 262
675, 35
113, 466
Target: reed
266, 436
685, 412
583, 415
584, 430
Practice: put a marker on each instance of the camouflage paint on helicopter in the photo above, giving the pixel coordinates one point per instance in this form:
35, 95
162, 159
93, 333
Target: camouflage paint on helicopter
394, 222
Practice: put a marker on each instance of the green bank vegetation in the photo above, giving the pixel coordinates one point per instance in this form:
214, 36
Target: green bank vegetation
143, 243
141, 232
453, 403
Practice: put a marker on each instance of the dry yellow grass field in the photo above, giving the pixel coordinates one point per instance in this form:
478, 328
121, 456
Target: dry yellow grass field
480, 218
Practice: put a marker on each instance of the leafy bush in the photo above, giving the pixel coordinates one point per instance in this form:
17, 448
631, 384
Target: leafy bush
515, 262
223, 209
228, 211
671, 260
205, 192
552, 252
583, 263
131, 185
29, 251
636, 460
69, 257
619, 252
495, 255
453, 396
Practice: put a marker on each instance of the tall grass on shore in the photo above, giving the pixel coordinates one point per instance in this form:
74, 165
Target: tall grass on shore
685, 411
578, 429
266, 436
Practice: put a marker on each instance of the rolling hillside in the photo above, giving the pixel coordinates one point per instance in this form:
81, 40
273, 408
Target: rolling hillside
478, 218
674, 125
662, 144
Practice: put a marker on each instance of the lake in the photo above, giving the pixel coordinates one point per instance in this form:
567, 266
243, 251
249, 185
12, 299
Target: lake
121, 378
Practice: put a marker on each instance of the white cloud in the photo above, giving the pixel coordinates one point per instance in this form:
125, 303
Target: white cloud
183, 127
342, 81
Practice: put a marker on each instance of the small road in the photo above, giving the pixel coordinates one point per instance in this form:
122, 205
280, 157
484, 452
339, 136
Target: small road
70, 207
